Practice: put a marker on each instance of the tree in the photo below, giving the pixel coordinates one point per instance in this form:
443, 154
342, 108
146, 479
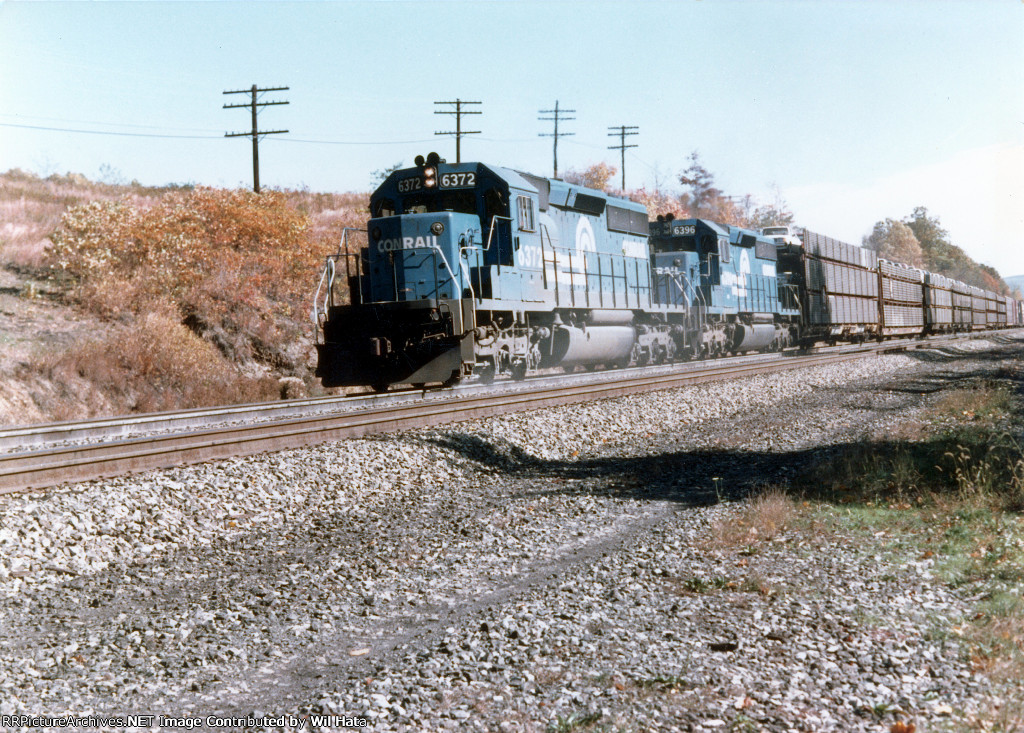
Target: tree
596, 176
941, 256
379, 176
703, 198
775, 214
706, 201
895, 241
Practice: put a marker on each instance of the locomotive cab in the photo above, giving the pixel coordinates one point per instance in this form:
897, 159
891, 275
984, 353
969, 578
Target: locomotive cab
438, 241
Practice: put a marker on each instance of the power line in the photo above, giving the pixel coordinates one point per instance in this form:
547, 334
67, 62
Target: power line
623, 131
556, 134
207, 137
111, 132
104, 123
255, 134
350, 142
459, 132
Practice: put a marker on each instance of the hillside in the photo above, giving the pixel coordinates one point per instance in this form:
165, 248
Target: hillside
125, 298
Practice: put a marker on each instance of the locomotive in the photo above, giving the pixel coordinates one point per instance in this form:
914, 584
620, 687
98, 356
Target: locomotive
473, 269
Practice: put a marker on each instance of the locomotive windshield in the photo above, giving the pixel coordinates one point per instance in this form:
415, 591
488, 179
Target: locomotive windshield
462, 202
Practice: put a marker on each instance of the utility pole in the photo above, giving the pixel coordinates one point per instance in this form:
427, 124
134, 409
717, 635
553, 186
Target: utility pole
459, 132
556, 134
623, 131
255, 134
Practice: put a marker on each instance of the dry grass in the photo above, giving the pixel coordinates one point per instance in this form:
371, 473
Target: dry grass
152, 364
31, 209
762, 518
235, 269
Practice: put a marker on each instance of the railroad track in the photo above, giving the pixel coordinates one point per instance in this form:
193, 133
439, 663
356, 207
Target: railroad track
187, 437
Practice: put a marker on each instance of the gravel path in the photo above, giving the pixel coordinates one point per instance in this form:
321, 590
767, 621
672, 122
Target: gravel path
545, 571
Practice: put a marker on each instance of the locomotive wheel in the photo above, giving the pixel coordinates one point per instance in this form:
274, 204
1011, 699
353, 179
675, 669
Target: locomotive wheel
454, 379
519, 369
485, 373
380, 387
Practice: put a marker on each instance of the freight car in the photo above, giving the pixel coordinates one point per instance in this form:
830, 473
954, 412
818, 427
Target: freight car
472, 269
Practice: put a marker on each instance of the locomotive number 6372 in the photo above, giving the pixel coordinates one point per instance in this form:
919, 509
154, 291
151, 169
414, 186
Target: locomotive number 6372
458, 180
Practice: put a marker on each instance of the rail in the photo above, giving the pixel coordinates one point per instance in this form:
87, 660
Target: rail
50, 466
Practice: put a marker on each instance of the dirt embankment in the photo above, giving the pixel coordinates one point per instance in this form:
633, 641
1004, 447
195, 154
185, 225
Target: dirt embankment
122, 298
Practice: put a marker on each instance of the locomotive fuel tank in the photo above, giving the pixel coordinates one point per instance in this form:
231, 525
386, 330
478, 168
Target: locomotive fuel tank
573, 346
753, 337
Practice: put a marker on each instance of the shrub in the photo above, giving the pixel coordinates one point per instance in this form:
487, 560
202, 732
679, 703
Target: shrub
155, 363
238, 267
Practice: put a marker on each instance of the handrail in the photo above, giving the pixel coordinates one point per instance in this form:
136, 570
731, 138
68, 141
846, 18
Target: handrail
316, 315
490, 231
329, 273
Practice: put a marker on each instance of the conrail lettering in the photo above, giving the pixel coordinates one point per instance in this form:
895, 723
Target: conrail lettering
397, 243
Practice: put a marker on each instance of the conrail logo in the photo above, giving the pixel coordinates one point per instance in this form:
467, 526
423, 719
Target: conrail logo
397, 243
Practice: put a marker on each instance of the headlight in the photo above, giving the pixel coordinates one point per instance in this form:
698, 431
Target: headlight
437, 228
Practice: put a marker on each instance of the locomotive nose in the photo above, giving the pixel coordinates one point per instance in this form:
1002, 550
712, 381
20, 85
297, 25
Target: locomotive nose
416, 256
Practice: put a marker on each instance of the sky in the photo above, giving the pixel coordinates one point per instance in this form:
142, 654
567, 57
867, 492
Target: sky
854, 111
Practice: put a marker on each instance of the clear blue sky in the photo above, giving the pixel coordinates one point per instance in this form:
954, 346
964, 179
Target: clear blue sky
857, 111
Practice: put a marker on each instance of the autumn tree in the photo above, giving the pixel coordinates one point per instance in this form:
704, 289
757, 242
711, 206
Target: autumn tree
941, 256
701, 196
596, 176
895, 241
774, 214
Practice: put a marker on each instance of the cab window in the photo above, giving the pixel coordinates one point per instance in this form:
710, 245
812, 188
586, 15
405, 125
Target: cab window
462, 202
524, 204
383, 207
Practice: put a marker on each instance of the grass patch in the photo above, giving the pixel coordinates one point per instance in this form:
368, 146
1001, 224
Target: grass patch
962, 451
948, 487
153, 364
762, 518
573, 722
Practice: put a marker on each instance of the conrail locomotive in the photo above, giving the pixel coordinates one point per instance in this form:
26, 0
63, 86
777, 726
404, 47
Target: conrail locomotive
472, 269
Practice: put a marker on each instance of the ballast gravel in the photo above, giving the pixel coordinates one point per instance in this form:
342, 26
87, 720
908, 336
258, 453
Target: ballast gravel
551, 570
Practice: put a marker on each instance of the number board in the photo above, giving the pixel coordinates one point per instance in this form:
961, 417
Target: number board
407, 185
458, 180
683, 230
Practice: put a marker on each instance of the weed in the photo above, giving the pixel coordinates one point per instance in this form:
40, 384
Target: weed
573, 721
665, 682
762, 518
698, 584
948, 490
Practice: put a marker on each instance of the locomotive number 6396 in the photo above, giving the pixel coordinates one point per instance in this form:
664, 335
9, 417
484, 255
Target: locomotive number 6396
458, 180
